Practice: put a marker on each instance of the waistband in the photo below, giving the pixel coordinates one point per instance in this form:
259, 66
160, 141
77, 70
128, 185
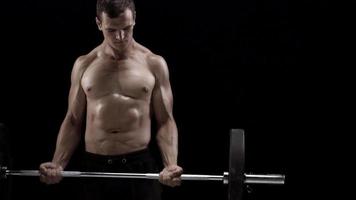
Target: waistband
121, 158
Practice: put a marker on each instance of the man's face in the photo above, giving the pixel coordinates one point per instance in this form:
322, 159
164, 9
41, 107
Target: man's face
117, 31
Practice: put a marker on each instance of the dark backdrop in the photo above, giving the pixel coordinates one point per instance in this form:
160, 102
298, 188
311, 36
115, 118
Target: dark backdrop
233, 64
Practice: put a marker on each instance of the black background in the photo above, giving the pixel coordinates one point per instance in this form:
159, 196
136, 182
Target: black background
254, 65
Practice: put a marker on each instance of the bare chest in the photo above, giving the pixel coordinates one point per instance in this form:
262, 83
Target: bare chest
128, 78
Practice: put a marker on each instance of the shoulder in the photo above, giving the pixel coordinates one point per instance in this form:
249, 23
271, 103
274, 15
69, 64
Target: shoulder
82, 63
158, 66
154, 61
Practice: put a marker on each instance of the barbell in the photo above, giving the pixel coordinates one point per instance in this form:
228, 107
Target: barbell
235, 178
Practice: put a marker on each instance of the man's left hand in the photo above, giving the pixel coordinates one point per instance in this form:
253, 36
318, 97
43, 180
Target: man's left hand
170, 175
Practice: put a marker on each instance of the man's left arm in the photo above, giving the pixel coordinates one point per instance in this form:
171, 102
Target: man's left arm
167, 135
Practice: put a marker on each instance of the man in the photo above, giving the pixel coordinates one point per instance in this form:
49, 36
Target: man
119, 85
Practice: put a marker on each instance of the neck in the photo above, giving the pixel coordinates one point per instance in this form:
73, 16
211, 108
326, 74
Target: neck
118, 54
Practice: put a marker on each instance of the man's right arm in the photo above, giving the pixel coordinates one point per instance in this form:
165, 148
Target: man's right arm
70, 131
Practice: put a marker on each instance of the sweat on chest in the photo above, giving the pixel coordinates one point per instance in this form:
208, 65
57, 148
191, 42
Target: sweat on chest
134, 83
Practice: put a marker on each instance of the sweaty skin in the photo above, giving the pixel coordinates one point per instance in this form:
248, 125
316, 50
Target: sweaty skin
118, 101
120, 85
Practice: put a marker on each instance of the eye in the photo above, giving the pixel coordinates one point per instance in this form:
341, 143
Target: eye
111, 30
127, 28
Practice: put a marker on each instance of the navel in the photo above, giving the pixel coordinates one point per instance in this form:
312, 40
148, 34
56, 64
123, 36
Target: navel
114, 131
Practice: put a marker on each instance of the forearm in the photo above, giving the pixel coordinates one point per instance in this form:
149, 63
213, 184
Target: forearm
67, 141
167, 139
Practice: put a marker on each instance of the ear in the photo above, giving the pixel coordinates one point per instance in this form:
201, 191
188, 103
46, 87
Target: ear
134, 18
98, 23
134, 15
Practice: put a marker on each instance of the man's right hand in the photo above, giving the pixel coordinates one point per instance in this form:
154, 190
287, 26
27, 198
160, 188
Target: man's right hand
50, 173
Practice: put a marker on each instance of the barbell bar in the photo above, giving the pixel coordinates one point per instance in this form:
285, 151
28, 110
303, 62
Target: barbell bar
249, 178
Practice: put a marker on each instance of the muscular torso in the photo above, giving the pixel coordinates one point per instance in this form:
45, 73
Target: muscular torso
118, 95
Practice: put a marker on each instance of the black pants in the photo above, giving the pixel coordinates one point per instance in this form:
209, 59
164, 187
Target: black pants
117, 188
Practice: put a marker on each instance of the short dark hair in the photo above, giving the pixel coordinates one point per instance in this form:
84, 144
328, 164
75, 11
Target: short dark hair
114, 7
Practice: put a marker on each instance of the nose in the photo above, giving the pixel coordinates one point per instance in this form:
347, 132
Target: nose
120, 35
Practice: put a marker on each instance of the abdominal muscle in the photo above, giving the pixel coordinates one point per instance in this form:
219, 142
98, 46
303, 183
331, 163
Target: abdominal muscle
117, 124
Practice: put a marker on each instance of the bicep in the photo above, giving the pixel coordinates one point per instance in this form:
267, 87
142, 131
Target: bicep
162, 103
162, 95
76, 102
76, 98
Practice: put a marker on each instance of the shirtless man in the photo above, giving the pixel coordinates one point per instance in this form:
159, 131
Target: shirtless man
119, 85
